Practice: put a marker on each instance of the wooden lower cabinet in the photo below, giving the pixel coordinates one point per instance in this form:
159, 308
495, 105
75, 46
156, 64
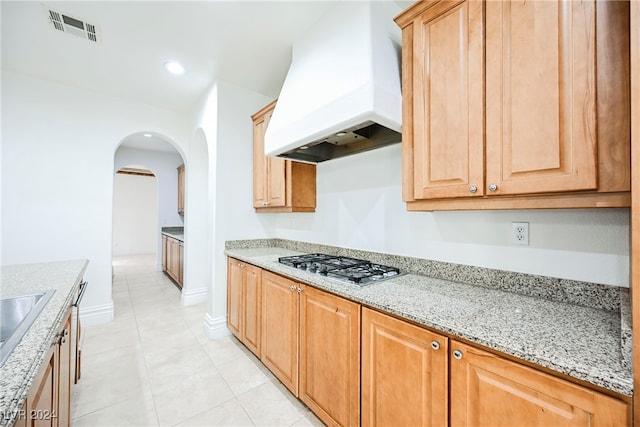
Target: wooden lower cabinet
311, 342
330, 357
42, 399
488, 390
404, 373
280, 328
244, 302
173, 259
356, 366
65, 373
49, 400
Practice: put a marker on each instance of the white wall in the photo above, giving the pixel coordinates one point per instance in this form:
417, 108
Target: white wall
198, 225
135, 214
165, 166
226, 121
58, 146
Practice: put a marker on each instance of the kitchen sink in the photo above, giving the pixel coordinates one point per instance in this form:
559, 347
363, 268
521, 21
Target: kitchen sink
17, 314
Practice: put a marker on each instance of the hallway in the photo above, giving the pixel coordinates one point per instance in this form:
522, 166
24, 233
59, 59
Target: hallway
154, 366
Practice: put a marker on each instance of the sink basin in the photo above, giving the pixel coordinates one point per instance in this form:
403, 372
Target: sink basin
17, 314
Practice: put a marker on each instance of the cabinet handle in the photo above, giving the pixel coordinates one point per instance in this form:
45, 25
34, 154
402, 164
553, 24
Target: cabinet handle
299, 290
473, 189
265, 203
457, 354
435, 345
493, 187
293, 288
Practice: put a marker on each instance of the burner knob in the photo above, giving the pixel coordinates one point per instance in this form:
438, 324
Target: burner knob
313, 267
302, 266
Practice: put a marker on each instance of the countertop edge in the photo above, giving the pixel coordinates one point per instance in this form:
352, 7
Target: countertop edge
9, 414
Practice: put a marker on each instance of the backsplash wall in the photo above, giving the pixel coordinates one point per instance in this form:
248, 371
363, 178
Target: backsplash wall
360, 206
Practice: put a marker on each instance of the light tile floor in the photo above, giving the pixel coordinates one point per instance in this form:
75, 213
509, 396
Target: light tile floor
153, 365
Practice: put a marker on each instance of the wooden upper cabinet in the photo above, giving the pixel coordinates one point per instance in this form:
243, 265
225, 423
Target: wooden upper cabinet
487, 390
279, 185
448, 101
523, 99
541, 96
181, 189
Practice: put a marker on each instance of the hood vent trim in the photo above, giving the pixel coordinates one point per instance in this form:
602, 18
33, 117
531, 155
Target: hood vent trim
70, 25
365, 137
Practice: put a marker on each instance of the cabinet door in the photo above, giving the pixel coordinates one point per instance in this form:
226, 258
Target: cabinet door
181, 189
541, 96
279, 350
234, 297
330, 357
43, 395
276, 178
252, 308
269, 185
171, 256
448, 101
402, 368
487, 390
64, 374
165, 252
180, 263
260, 189
276, 174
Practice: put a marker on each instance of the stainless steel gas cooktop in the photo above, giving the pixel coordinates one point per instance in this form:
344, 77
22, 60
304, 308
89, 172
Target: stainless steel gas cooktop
351, 270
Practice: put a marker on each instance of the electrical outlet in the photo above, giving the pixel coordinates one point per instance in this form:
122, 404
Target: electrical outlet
520, 233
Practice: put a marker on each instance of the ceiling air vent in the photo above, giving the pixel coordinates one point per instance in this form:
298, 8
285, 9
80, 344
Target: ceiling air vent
68, 24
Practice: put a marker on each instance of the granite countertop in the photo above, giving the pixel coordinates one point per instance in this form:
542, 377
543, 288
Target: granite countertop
579, 341
175, 232
18, 371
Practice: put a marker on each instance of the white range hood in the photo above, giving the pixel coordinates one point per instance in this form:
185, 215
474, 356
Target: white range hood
342, 92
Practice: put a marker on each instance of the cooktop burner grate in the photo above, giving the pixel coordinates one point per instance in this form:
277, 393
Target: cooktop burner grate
343, 268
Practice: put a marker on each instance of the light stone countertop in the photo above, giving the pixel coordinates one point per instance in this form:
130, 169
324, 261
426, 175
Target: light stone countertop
18, 371
175, 232
582, 342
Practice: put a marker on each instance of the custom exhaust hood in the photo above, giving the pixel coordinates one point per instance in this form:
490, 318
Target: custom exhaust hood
342, 94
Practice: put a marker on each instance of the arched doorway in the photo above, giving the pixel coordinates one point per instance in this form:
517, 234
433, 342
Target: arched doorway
154, 153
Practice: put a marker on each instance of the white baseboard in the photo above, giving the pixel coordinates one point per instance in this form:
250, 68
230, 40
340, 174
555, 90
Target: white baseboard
215, 328
97, 314
194, 296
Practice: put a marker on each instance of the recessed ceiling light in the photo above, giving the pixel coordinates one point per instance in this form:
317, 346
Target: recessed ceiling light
147, 135
174, 67
341, 134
